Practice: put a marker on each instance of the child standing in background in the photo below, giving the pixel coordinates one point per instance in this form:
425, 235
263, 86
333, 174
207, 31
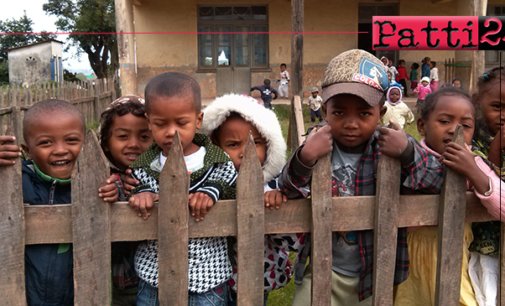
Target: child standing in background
425, 68
266, 93
434, 77
392, 69
402, 76
314, 103
413, 76
283, 82
422, 90
457, 83
397, 111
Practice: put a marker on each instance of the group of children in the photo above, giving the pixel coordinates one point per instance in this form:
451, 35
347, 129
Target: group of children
136, 136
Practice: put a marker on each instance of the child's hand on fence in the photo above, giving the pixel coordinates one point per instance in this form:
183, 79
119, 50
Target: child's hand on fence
459, 159
462, 161
8, 150
392, 141
274, 198
142, 203
318, 144
199, 205
129, 182
110, 191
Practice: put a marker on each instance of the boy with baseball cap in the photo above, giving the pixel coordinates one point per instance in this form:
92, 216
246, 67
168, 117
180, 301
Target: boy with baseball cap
354, 86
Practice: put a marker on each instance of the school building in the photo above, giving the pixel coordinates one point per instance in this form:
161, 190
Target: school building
227, 46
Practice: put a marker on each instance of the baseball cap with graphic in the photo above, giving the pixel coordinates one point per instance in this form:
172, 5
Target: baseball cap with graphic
355, 72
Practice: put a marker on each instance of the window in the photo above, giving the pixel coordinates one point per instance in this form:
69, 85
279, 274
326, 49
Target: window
235, 36
493, 56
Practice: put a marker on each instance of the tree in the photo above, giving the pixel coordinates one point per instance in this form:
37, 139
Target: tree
82, 17
21, 25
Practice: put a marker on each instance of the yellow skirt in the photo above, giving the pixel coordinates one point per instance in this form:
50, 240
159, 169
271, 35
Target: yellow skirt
419, 288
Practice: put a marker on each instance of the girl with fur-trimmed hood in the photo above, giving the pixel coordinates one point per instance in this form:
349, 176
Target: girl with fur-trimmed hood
228, 121
397, 110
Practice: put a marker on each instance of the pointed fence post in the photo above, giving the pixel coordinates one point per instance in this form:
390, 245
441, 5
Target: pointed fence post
451, 225
12, 241
250, 228
90, 226
321, 256
173, 217
387, 200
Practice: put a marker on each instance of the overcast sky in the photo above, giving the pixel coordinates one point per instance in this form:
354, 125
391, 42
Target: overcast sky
41, 21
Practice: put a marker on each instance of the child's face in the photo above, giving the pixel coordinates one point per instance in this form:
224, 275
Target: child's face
425, 83
169, 114
314, 94
402, 64
54, 144
394, 95
389, 75
233, 135
130, 136
491, 103
283, 67
385, 61
457, 84
439, 128
352, 120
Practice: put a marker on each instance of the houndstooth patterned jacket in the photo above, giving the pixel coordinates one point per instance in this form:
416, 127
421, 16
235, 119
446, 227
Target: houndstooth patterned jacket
208, 261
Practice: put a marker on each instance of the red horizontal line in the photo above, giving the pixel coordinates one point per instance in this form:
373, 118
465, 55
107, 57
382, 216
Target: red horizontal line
178, 33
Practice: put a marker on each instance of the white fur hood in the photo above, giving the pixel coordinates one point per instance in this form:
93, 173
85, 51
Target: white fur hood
263, 119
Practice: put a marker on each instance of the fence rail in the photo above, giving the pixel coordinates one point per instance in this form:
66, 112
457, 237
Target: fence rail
92, 225
90, 98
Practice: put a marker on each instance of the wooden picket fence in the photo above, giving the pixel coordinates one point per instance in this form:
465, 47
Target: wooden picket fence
90, 97
91, 225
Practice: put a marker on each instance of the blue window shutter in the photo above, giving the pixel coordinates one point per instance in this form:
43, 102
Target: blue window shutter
53, 70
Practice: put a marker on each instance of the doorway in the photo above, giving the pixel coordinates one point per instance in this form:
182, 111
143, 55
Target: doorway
233, 74
232, 41
366, 12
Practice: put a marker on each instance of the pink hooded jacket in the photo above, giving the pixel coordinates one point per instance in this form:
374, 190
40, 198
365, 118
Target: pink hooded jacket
492, 201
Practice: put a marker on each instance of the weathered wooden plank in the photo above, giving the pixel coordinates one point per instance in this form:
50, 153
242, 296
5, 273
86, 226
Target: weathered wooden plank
5, 110
173, 215
297, 17
52, 224
250, 228
450, 233
17, 123
90, 226
387, 202
321, 256
300, 128
12, 241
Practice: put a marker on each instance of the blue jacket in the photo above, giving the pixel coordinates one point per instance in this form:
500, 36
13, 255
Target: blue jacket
425, 71
48, 267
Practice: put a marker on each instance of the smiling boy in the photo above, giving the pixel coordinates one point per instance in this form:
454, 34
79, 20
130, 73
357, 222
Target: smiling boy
52, 147
353, 103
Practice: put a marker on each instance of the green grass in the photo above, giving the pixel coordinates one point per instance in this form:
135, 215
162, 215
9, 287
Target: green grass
93, 126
